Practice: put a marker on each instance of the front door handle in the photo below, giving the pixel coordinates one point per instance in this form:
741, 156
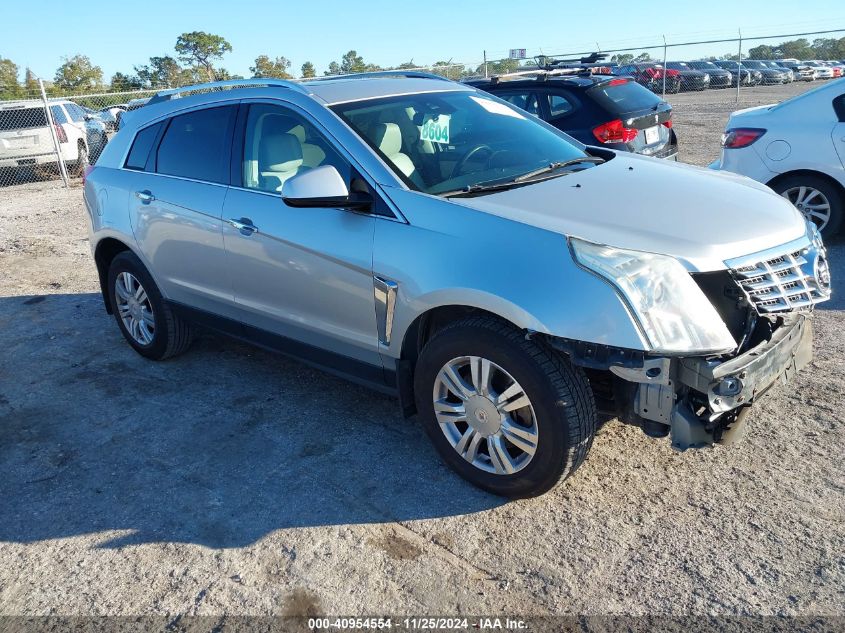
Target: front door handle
244, 225
145, 196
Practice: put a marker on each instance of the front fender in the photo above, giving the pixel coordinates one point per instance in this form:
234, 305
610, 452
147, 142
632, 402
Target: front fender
451, 255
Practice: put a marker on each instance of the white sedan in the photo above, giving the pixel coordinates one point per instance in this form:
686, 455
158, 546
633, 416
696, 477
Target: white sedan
797, 148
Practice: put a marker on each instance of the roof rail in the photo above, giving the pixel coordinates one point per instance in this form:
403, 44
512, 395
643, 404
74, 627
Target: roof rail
402, 74
175, 93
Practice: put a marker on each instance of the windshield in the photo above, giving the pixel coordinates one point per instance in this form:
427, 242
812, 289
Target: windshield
448, 141
703, 65
753, 64
677, 66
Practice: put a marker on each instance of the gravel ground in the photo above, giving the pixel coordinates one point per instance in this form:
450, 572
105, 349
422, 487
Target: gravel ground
231, 481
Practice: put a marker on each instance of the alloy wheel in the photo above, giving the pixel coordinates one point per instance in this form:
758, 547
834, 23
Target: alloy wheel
485, 415
134, 308
812, 203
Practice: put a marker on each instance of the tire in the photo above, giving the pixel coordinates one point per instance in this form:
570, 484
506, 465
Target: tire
169, 334
560, 402
82, 161
830, 194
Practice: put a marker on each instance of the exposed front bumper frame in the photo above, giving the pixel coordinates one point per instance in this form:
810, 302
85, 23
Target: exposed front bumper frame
726, 388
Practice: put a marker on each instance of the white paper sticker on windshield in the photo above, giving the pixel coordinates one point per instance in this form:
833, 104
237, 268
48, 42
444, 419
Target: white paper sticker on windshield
494, 107
436, 130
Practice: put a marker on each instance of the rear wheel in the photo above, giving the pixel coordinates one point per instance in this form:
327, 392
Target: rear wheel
817, 199
142, 315
82, 162
508, 414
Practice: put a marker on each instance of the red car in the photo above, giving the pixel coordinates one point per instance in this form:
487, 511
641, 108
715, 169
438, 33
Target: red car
651, 76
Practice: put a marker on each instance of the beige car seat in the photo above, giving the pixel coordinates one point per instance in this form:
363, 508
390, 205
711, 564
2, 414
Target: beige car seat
388, 139
279, 158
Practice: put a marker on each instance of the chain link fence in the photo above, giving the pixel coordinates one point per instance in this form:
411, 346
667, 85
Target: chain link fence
44, 137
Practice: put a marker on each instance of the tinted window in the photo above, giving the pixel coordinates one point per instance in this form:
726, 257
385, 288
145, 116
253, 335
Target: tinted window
20, 118
58, 115
197, 145
76, 113
559, 105
141, 147
626, 96
525, 100
279, 144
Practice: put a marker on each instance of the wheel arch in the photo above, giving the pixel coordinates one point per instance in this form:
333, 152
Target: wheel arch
419, 332
808, 172
106, 250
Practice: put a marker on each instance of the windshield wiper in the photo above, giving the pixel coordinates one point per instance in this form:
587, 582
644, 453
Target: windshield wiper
558, 165
480, 187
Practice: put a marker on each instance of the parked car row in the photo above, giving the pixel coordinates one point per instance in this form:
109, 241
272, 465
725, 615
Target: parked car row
701, 75
28, 142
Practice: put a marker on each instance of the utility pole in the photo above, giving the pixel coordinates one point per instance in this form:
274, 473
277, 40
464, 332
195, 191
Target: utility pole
739, 66
485, 64
665, 47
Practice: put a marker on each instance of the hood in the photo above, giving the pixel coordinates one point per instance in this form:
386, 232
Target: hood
699, 216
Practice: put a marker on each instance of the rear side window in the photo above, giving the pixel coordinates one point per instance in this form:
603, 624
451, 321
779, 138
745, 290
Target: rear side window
525, 100
141, 147
22, 118
559, 105
197, 145
626, 96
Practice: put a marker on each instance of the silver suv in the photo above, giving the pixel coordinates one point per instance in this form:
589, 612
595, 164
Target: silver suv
508, 283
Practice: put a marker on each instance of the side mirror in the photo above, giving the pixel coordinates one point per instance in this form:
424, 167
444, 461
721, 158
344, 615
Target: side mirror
323, 187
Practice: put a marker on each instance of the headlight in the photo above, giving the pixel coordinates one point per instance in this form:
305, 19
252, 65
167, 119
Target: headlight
672, 312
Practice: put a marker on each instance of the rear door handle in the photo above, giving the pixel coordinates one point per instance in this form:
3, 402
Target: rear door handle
244, 225
145, 196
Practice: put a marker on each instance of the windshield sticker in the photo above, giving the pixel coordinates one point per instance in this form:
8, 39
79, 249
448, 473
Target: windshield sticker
494, 107
436, 129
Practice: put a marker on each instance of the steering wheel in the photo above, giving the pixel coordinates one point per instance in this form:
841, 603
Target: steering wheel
459, 166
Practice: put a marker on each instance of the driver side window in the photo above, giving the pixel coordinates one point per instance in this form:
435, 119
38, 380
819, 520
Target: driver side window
279, 144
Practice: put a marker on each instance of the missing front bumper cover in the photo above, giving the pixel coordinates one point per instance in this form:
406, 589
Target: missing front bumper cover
706, 401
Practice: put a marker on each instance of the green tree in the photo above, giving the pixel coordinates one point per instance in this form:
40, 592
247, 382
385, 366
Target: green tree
498, 67
9, 86
121, 82
161, 72
78, 73
266, 67
308, 70
797, 49
201, 50
334, 69
623, 58
761, 52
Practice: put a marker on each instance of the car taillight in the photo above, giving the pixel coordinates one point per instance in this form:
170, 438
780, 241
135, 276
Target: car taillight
740, 137
618, 82
668, 123
614, 132
60, 133
86, 173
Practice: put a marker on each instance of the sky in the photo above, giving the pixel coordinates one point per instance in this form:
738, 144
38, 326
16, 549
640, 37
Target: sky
119, 35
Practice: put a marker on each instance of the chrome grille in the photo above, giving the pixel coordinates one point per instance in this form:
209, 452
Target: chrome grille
790, 278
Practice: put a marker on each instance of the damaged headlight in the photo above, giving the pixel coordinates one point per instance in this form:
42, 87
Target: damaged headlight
672, 312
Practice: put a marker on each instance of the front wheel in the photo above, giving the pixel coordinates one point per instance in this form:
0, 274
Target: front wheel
819, 200
508, 414
142, 315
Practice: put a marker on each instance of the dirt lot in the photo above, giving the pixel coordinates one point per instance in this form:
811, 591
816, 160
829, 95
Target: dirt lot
231, 481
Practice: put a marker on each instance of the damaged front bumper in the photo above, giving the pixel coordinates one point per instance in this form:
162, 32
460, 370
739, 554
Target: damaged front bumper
702, 401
